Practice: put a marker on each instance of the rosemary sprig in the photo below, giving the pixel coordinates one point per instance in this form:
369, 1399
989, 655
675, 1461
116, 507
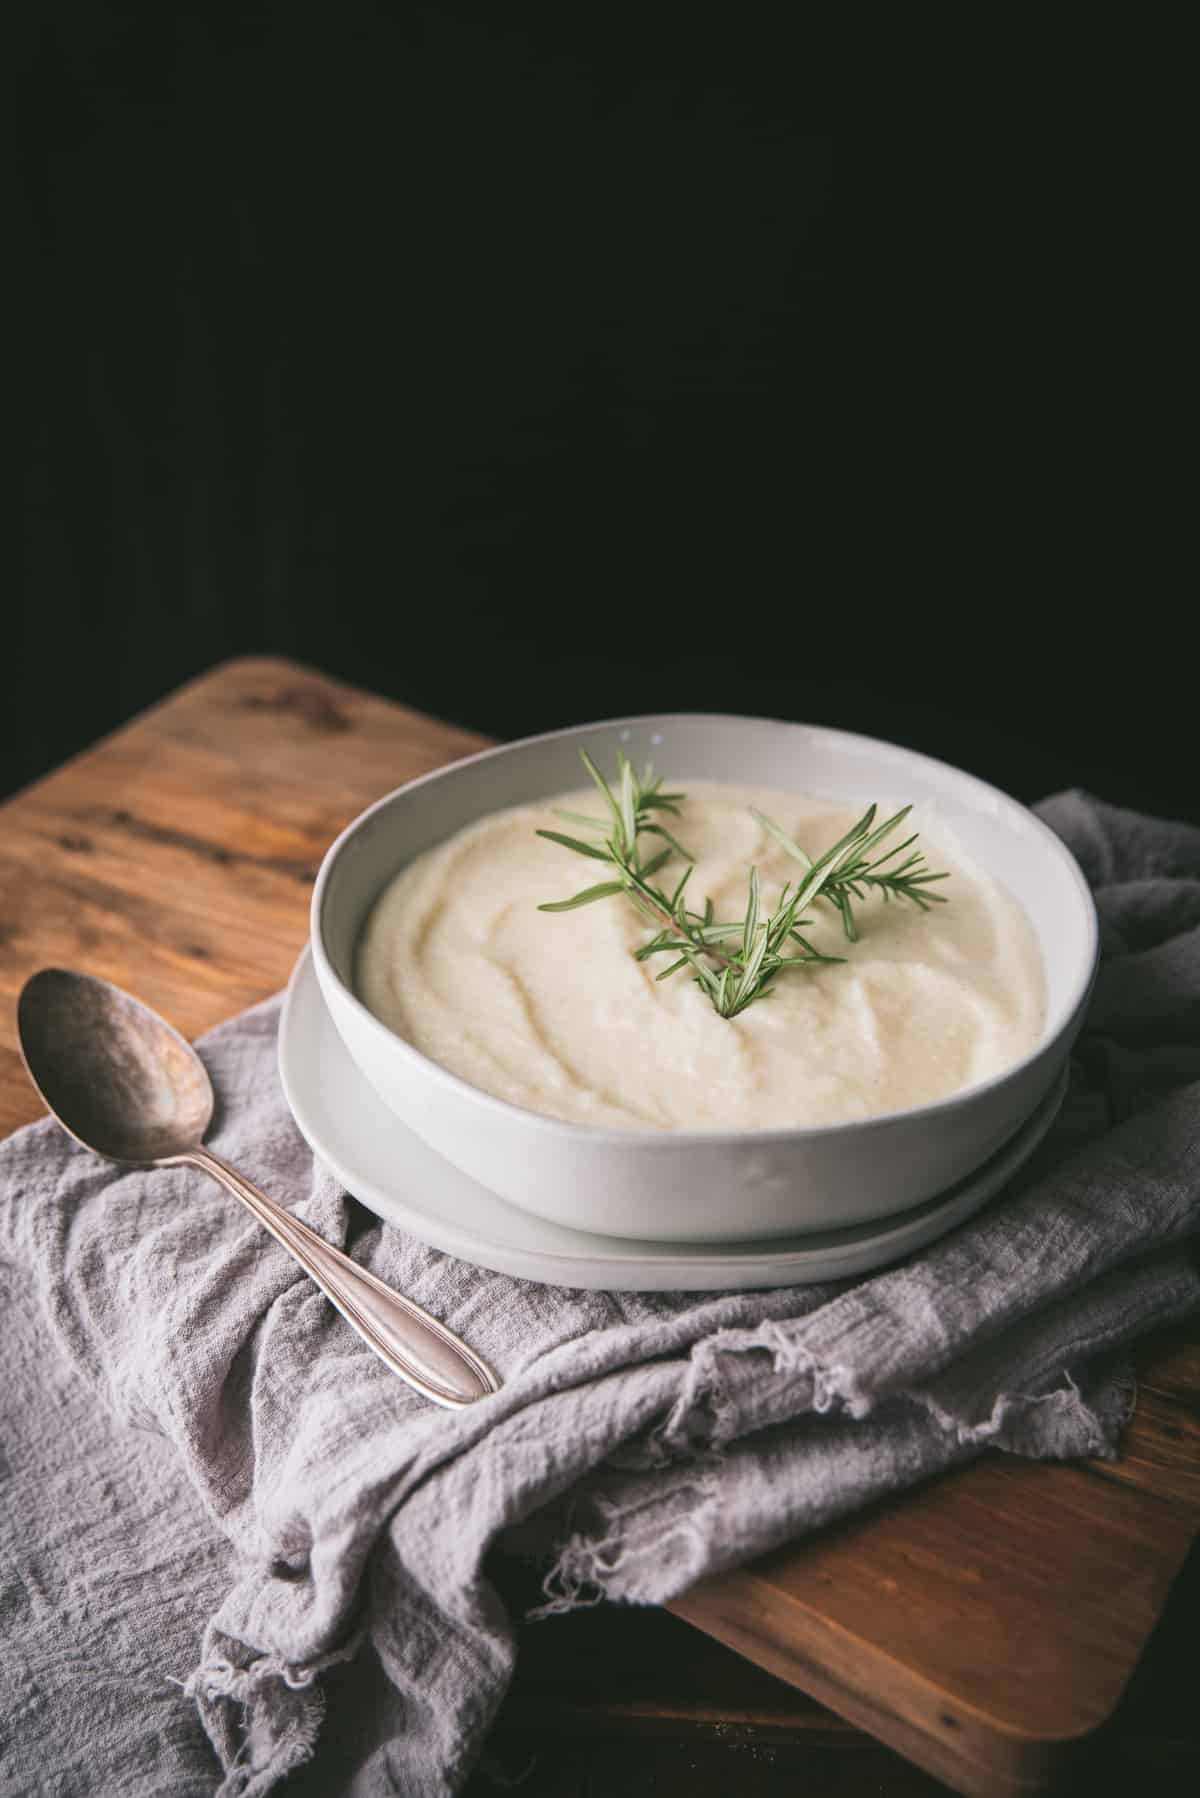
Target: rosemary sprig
847, 869
734, 963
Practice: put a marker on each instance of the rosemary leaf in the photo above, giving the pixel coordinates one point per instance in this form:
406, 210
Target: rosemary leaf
655, 862
596, 853
589, 895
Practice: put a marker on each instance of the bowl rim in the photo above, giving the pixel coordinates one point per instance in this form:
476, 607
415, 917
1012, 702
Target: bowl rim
664, 1140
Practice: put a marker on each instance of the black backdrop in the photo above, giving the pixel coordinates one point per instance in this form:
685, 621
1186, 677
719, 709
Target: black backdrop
494, 365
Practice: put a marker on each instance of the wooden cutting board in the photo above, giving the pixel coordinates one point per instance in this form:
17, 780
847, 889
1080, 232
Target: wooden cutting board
984, 1625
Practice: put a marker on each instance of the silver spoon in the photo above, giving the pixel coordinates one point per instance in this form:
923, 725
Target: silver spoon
127, 1086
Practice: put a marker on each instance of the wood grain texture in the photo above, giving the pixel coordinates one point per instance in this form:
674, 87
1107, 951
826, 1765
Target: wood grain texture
176, 857
984, 1626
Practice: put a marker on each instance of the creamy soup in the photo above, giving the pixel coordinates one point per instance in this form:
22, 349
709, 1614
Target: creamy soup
550, 1010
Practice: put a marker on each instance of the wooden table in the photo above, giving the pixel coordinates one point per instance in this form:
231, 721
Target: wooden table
984, 1626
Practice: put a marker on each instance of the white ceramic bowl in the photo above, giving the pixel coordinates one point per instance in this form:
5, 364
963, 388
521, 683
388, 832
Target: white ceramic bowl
709, 1186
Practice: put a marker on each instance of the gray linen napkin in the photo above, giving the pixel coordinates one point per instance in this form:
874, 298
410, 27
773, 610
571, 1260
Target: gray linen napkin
211, 1494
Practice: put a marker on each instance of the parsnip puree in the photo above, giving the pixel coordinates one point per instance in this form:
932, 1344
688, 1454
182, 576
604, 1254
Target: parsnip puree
550, 1010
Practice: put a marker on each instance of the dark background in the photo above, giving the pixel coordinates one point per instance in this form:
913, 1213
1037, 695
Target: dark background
495, 365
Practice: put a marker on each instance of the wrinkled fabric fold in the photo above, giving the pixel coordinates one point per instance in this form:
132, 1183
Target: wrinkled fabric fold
218, 1496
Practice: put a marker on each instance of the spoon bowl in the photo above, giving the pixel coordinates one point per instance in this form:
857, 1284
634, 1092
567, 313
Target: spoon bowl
119, 1079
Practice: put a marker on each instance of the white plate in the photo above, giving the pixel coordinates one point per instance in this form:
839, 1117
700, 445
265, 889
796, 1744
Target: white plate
401, 1179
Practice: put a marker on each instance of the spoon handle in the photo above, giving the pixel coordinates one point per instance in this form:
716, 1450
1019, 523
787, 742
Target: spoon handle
414, 1344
